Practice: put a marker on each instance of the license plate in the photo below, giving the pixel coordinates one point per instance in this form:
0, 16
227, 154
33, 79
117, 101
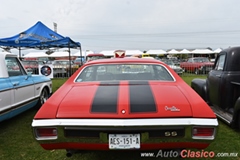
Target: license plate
124, 141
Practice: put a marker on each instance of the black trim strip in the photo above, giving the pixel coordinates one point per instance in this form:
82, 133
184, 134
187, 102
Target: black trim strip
7, 89
163, 132
100, 104
141, 97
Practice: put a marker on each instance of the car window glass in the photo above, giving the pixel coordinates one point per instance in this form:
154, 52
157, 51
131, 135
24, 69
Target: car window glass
101, 69
190, 60
220, 62
14, 67
128, 72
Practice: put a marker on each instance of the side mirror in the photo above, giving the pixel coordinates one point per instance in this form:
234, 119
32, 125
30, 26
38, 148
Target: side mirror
29, 74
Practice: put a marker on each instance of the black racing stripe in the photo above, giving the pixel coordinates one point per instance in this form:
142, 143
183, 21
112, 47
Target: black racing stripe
106, 98
141, 97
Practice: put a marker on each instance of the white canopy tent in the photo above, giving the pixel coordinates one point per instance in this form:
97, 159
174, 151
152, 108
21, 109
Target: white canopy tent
185, 51
60, 54
36, 54
218, 50
173, 51
156, 52
202, 51
85, 53
108, 53
133, 52
127, 52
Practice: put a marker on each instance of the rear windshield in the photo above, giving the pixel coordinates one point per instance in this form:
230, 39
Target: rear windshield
116, 72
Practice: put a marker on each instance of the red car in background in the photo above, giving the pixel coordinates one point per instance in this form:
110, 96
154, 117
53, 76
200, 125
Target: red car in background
197, 65
31, 66
124, 104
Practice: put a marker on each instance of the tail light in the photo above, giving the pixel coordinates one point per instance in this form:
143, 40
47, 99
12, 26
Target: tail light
46, 133
203, 133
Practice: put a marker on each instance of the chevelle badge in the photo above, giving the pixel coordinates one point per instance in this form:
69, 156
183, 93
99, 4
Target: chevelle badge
172, 109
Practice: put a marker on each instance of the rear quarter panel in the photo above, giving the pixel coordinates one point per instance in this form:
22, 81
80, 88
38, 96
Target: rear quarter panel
200, 108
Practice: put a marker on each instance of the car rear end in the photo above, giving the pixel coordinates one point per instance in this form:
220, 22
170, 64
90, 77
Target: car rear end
124, 122
125, 114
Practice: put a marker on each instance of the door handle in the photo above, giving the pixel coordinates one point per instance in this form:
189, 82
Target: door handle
218, 75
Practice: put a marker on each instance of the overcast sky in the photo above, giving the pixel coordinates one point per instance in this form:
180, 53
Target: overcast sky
130, 24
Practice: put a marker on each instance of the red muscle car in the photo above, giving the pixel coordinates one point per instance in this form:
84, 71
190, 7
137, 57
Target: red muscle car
124, 104
197, 65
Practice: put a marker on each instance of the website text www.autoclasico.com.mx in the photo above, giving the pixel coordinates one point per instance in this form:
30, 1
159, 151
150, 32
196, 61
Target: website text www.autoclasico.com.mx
187, 154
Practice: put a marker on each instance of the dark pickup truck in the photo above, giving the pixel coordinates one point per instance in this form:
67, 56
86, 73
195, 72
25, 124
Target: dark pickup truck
221, 89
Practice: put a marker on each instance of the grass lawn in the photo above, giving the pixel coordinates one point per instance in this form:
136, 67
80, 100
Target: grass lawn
17, 142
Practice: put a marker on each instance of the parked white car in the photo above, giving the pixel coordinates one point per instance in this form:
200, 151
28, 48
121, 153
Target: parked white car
61, 67
175, 67
19, 90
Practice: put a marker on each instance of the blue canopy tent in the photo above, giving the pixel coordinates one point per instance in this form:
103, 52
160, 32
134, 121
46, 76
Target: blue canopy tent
40, 37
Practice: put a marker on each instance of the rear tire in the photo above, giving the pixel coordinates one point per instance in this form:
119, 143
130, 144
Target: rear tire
238, 121
43, 97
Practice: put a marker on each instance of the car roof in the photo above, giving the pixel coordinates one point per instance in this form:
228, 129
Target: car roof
124, 60
96, 54
6, 54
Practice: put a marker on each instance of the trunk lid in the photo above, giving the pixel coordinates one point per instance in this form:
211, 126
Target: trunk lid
125, 100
